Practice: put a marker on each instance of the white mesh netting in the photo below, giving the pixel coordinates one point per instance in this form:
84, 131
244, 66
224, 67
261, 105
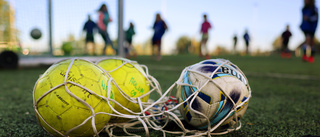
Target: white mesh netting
160, 114
43, 100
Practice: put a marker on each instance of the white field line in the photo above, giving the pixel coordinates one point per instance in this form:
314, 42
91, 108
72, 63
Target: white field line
259, 74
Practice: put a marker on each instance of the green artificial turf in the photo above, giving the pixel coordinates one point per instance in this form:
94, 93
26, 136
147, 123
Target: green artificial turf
285, 95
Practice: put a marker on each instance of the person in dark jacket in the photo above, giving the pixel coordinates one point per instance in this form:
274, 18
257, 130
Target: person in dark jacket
285, 36
90, 27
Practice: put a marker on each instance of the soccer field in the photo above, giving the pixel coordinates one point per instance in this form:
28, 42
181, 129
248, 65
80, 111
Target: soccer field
285, 95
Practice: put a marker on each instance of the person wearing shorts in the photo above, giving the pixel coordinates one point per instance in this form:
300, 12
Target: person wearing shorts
246, 38
205, 26
128, 37
309, 26
89, 27
159, 28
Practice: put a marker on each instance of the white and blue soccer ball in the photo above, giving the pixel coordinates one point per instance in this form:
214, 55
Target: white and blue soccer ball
208, 90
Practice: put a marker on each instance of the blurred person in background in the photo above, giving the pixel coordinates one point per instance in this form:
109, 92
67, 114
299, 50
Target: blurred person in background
89, 27
103, 21
128, 37
159, 28
205, 26
235, 41
285, 36
246, 38
309, 26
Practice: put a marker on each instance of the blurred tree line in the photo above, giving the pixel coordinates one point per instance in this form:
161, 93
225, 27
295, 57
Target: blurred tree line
8, 32
4, 20
187, 45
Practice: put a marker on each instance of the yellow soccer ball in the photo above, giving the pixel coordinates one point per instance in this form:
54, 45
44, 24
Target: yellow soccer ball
70, 96
130, 77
